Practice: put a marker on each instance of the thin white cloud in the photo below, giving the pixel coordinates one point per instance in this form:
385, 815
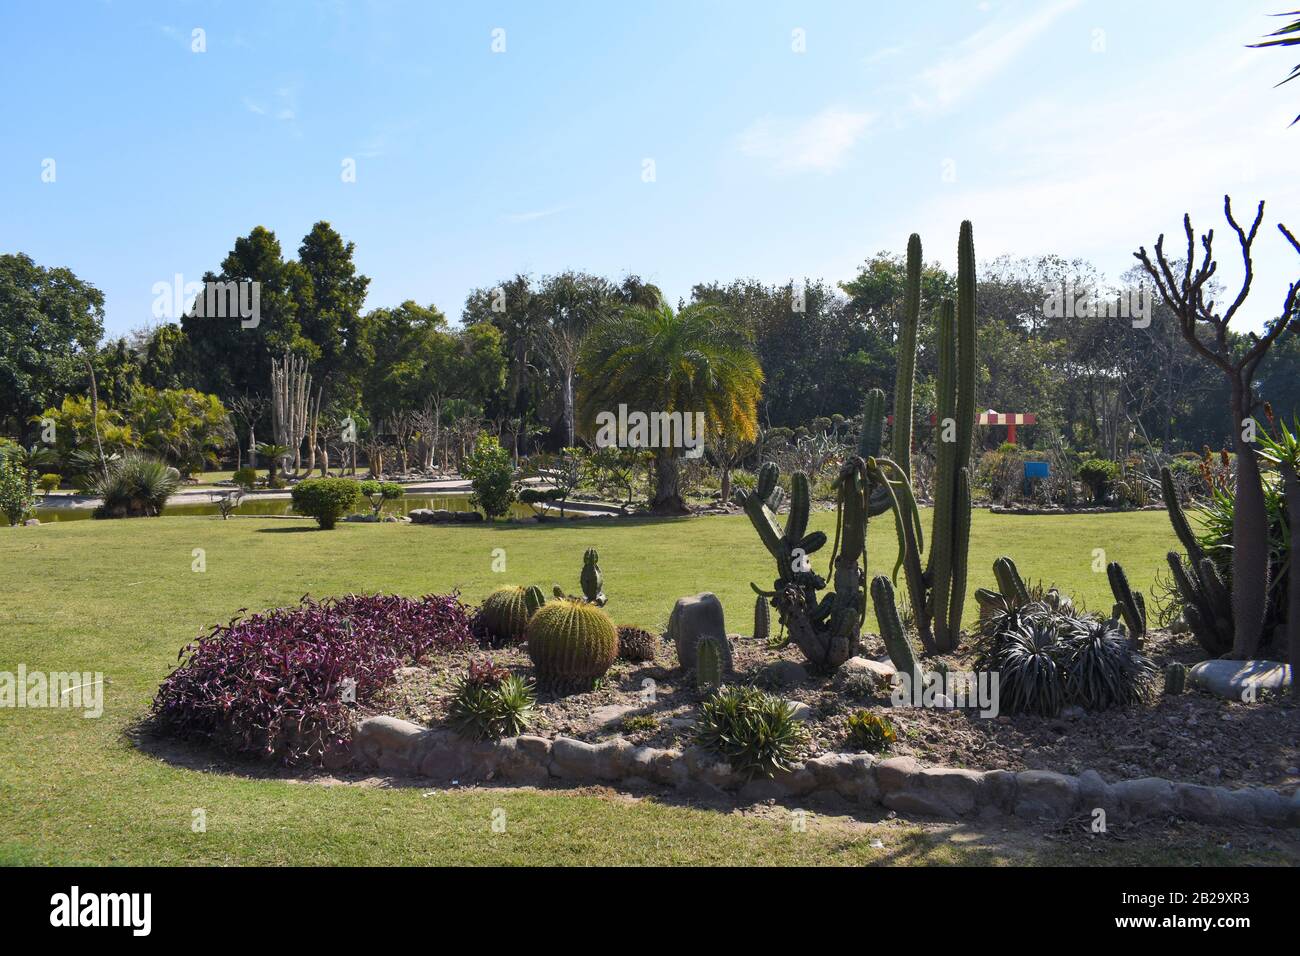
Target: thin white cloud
533, 215
820, 143
254, 107
981, 56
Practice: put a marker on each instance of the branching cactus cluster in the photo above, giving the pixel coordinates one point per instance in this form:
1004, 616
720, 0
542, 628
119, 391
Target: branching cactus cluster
1207, 602
1129, 604
827, 630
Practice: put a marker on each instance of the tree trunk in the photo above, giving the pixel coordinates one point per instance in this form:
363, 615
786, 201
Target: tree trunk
1293, 582
94, 418
1249, 539
568, 407
668, 498
726, 485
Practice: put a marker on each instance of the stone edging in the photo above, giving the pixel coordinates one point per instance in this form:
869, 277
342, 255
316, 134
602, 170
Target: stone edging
897, 783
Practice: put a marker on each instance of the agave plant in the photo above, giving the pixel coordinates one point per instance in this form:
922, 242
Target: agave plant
1029, 677
135, 487
1102, 669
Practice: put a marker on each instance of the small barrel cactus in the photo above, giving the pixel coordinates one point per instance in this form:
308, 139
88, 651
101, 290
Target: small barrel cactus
571, 642
708, 663
871, 732
636, 643
1175, 679
505, 613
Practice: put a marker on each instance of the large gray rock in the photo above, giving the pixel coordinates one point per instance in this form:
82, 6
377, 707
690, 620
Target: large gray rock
697, 616
1232, 679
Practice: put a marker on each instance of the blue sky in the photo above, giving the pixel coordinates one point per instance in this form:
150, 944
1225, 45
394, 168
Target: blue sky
1081, 127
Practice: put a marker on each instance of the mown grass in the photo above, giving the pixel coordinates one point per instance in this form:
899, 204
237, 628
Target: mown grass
122, 597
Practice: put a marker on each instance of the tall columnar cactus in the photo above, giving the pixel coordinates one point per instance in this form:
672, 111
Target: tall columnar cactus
571, 642
762, 619
1010, 583
1132, 604
904, 379
1207, 603
891, 630
593, 582
708, 663
939, 593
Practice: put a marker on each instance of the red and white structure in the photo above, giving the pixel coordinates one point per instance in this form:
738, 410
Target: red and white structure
1009, 419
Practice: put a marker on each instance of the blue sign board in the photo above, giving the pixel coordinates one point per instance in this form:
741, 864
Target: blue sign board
1036, 469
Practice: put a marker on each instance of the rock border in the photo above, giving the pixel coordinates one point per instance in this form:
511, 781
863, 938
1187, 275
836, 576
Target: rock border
896, 783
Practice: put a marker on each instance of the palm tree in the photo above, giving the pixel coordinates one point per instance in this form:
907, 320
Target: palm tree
1288, 35
656, 360
276, 457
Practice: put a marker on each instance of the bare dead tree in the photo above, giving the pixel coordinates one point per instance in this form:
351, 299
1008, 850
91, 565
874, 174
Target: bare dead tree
1185, 297
290, 390
249, 410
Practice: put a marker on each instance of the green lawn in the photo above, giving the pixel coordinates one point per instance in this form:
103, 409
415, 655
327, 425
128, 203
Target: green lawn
120, 597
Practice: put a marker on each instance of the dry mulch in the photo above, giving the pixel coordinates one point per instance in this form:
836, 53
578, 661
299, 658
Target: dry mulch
1193, 737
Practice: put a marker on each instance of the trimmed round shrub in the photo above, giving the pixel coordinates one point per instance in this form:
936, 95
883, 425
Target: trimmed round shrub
571, 642
380, 491
636, 643
326, 499
49, 482
504, 615
245, 477
1098, 474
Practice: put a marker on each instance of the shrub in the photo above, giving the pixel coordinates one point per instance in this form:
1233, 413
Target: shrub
753, 731
490, 702
490, 473
380, 491
245, 477
49, 482
571, 642
135, 487
16, 498
871, 732
326, 499
1098, 474
274, 683
640, 723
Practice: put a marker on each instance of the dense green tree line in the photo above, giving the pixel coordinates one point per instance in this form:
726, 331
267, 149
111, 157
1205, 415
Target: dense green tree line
513, 361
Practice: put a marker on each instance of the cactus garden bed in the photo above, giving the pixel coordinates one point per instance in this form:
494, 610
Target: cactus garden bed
1193, 737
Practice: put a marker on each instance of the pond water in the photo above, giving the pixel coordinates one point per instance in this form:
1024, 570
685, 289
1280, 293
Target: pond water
284, 506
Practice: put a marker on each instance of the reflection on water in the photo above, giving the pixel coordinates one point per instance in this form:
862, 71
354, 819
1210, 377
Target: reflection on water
284, 506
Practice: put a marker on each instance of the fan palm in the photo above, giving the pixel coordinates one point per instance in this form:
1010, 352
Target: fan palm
655, 359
